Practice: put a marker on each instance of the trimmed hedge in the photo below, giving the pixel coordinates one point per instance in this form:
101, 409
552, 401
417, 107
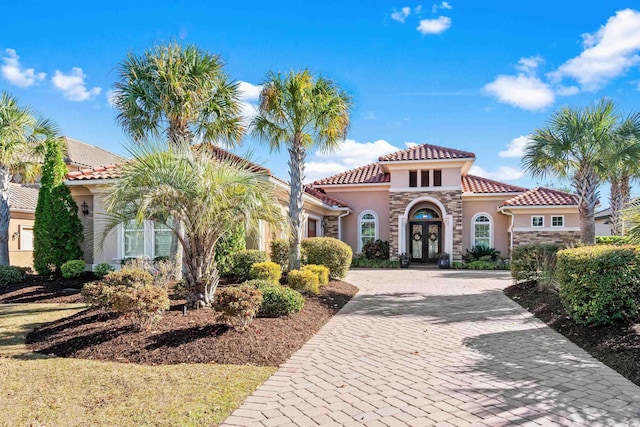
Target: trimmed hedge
280, 253
613, 240
73, 268
304, 281
319, 270
378, 249
277, 300
360, 261
600, 284
330, 252
267, 270
237, 305
10, 275
533, 262
242, 261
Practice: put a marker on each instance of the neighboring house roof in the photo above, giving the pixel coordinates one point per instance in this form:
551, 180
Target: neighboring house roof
222, 154
23, 197
318, 194
369, 174
477, 184
606, 213
83, 155
426, 152
101, 172
541, 196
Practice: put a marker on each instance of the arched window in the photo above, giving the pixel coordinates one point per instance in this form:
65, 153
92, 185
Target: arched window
426, 213
481, 230
367, 228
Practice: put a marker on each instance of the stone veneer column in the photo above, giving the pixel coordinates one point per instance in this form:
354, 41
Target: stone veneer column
452, 201
331, 227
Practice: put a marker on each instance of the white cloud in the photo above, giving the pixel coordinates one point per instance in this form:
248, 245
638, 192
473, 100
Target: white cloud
73, 86
111, 97
523, 91
349, 155
249, 91
15, 74
410, 144
607, 54
444, 5
529, 65
401, 15
434, 26
566, 90
504, 173
515, 147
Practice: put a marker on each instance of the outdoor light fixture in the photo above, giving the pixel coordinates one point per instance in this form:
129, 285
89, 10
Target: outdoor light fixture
85, 208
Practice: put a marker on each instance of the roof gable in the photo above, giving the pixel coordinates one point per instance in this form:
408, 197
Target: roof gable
541, 196
426, 152
368, 174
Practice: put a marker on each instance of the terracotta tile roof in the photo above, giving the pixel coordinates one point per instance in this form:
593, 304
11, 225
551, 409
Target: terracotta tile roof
426, 152
101, 172
369, 174
23, 197
89, 156
541, 196
477, 184
328, 200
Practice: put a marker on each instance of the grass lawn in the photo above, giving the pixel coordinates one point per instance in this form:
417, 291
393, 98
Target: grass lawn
38, 390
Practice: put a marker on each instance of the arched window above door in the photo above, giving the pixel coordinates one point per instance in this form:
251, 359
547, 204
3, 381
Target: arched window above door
425, 213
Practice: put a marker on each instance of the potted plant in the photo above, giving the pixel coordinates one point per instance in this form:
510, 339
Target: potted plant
405, 260
443, 260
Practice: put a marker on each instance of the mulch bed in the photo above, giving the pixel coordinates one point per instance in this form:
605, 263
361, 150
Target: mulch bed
194, 338
41, 289
617, 346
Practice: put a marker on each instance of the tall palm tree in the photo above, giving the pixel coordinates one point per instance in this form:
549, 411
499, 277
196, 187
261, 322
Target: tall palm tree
180, 90
23, 140
208, 196
301, 113
572, 146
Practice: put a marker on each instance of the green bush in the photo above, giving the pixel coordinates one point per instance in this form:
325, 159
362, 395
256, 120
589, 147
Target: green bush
267, 271
534, 262
143, 304
330, 252
459, 265
129, 278
97, 295
102, 270
319, 270
613, 240
180, 290
304, 281
243, 260
360, 261
10, 275
277, 300
231, 243
600, 284
280, 253
482, 265
481, 253
73, 268
378, 249
237, 305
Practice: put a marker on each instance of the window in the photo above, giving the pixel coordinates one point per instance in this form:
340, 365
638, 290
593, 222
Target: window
537, 221
162, 237
557, 221
437, 178
133, 239
368, 229
482, 230
425, 213
26, 238
424, 178
413, 178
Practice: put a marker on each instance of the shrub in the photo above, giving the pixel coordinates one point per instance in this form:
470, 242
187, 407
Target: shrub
481, 251
129, 278
230, 243
97, 295
143, 304
600, 284
9, 275
164, 271
238, 305
378, 249
73, 268
459, 265
304, 281
280, 301
180, 290
242, 262
258, 283
280, 253
534, 262
482, 265
144, 264
102, 269
362, 262
613, 240
330, 252
319, 270
267, 271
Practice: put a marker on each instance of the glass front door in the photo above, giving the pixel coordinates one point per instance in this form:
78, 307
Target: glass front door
425, 241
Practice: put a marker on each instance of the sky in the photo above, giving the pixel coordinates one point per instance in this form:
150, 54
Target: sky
476, 76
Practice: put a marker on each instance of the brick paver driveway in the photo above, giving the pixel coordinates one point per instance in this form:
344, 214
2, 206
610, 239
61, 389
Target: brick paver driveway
429, 347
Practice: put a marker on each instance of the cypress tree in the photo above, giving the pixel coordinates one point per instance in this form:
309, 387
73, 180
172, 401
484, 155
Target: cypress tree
57, 231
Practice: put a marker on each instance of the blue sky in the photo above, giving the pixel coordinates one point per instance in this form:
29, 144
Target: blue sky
478, 76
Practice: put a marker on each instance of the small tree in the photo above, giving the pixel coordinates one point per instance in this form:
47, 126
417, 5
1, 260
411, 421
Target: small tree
57, 230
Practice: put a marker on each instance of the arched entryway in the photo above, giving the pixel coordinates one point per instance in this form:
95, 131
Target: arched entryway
425, 233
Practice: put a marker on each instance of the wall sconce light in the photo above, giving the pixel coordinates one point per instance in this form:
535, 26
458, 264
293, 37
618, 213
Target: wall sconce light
324, 222
84, 208
15, 235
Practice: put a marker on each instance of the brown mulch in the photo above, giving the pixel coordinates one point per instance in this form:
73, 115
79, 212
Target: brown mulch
44, 289
194, 338
617, 346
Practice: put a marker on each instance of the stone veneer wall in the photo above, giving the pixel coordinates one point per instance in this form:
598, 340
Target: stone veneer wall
557, 237
452, 201
331, 227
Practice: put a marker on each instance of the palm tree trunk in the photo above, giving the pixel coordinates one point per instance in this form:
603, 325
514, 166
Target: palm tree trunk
297, 156
625, 199
201, 276
615, 204
5, 215
586, 184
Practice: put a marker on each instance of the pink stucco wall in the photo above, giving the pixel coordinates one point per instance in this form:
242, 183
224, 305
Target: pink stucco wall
500, 223
523, 217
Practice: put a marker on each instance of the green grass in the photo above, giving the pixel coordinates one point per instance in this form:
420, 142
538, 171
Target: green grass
41, 390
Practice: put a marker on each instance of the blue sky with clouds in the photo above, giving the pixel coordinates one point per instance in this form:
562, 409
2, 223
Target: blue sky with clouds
477, 76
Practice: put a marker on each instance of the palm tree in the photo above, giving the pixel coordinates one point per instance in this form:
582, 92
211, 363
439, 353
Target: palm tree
180, 184
573, 147
23, 140
180, 90
301, 113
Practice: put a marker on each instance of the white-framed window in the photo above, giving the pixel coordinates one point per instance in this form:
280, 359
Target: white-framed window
367, 228
162, 237
26, 237
537, 221
557, 221
482, 230
133, 239
149, 239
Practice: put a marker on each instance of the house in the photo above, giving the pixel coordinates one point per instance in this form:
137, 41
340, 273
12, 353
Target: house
603, 218
422, 200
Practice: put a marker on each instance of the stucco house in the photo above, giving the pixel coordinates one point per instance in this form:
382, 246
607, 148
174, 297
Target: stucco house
422, 200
